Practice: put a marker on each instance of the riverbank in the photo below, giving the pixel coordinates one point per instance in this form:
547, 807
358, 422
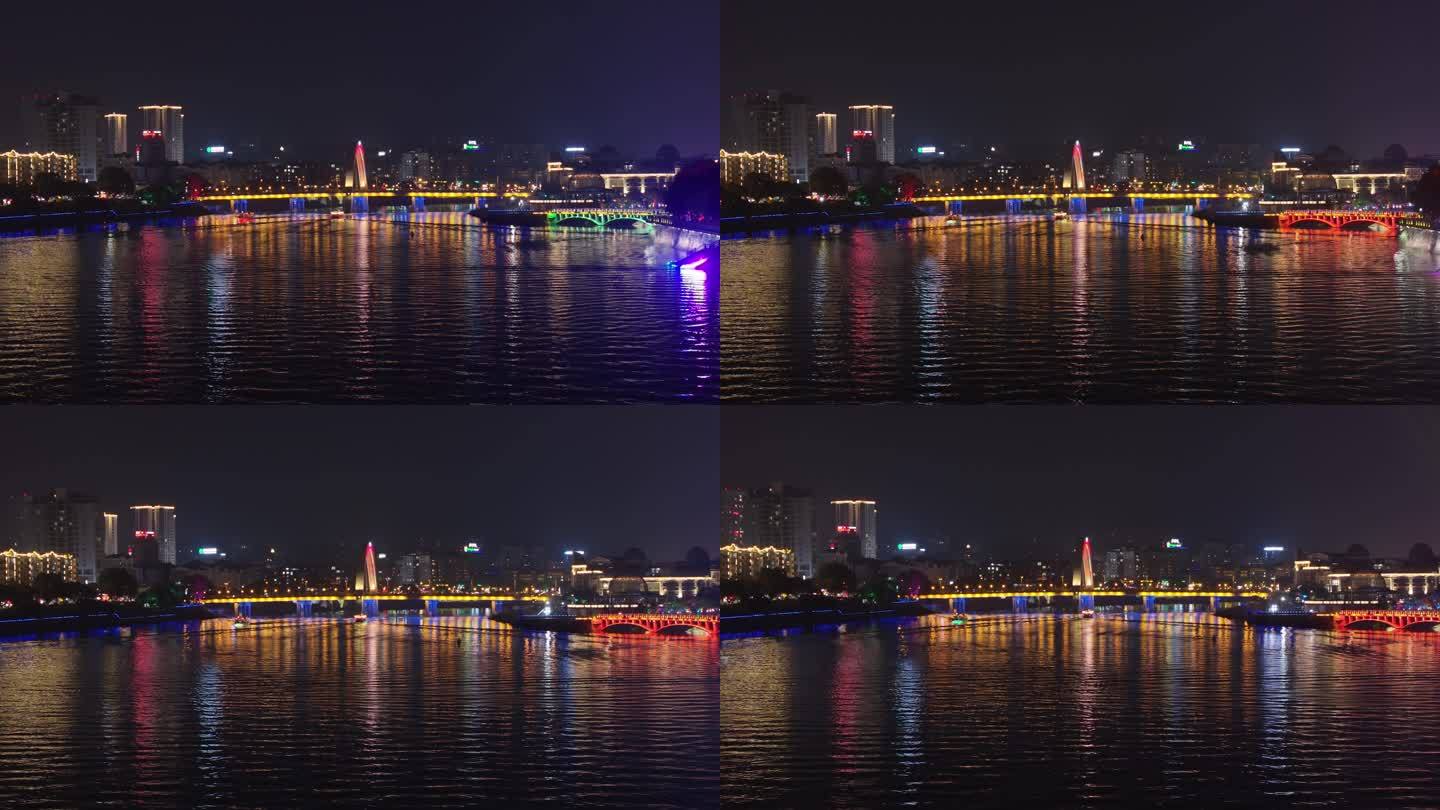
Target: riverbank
96, 616
810, 618
52, 220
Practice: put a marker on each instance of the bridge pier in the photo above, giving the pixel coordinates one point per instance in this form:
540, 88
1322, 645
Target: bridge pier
958, 604
1201, 203
432, 607
370, 607
1087, 601
417, 203
1020, 604
304, 608
1137, 204
1078, 205
297, 205
956, 207
1147, 604
1214, 604
360, 205
244, 609
1012, 205
239, 206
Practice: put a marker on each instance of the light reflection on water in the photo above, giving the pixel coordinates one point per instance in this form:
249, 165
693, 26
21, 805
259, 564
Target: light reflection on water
1170, 709
444, 711
304, 308
1110, 308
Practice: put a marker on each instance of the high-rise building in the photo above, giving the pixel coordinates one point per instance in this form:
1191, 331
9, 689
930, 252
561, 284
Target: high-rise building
63, 522
858, 516
1120, 564
879, 119
775, 123
161, 521
367, 581
110, 534
169, 121
1075, 172
826, 134
732, 516
1128, 165
784, 517
117, 139
64, 123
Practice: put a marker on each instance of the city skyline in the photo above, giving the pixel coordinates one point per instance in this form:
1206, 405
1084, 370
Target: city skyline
1082, 73
540, 86
1020, 484
319, 485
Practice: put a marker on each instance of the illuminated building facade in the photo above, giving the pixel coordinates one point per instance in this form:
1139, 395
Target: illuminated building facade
826, 133
117, 139
22, 567
21, 168
746, 562
110, 534
736, 166
1075, 172
859, 517
775, 123
169, 121
880, 120
1084, 576
161, 521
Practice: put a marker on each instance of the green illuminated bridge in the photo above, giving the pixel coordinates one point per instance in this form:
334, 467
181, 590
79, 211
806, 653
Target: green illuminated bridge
601, 217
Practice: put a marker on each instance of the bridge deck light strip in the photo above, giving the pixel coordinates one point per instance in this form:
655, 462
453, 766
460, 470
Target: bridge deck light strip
380, 597
1051, 594
1089, 195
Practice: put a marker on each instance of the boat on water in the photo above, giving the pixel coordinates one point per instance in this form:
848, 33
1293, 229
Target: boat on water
1061, 216
1087, 613
245, 218
959, 619
242, 623
1420, 233
337, 214
359, 618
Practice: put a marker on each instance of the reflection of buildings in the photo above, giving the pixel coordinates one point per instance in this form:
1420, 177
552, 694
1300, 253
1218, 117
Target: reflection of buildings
21, 568
746, 562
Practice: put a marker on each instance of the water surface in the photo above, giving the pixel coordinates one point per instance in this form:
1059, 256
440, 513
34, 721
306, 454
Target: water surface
1110, 308
434, 308
1175, 710
438, 712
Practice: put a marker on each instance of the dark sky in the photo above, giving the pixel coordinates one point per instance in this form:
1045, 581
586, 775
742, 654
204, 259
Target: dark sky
1319, 478
1305, 74
633, 74
309, 479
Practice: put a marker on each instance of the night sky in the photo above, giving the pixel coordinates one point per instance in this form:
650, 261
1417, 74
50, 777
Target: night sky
1305, 74
1021, 480
633, 75
313, 480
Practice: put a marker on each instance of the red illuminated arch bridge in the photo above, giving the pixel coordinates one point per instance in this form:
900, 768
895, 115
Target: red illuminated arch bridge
654, 622
1391, 619
1341, 219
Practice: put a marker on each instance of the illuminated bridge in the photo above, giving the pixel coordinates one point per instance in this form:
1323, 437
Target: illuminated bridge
601, 217
1021, 599
369, 602
359, 199
1387, 620
1078, 200
655, 622
1338, 220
